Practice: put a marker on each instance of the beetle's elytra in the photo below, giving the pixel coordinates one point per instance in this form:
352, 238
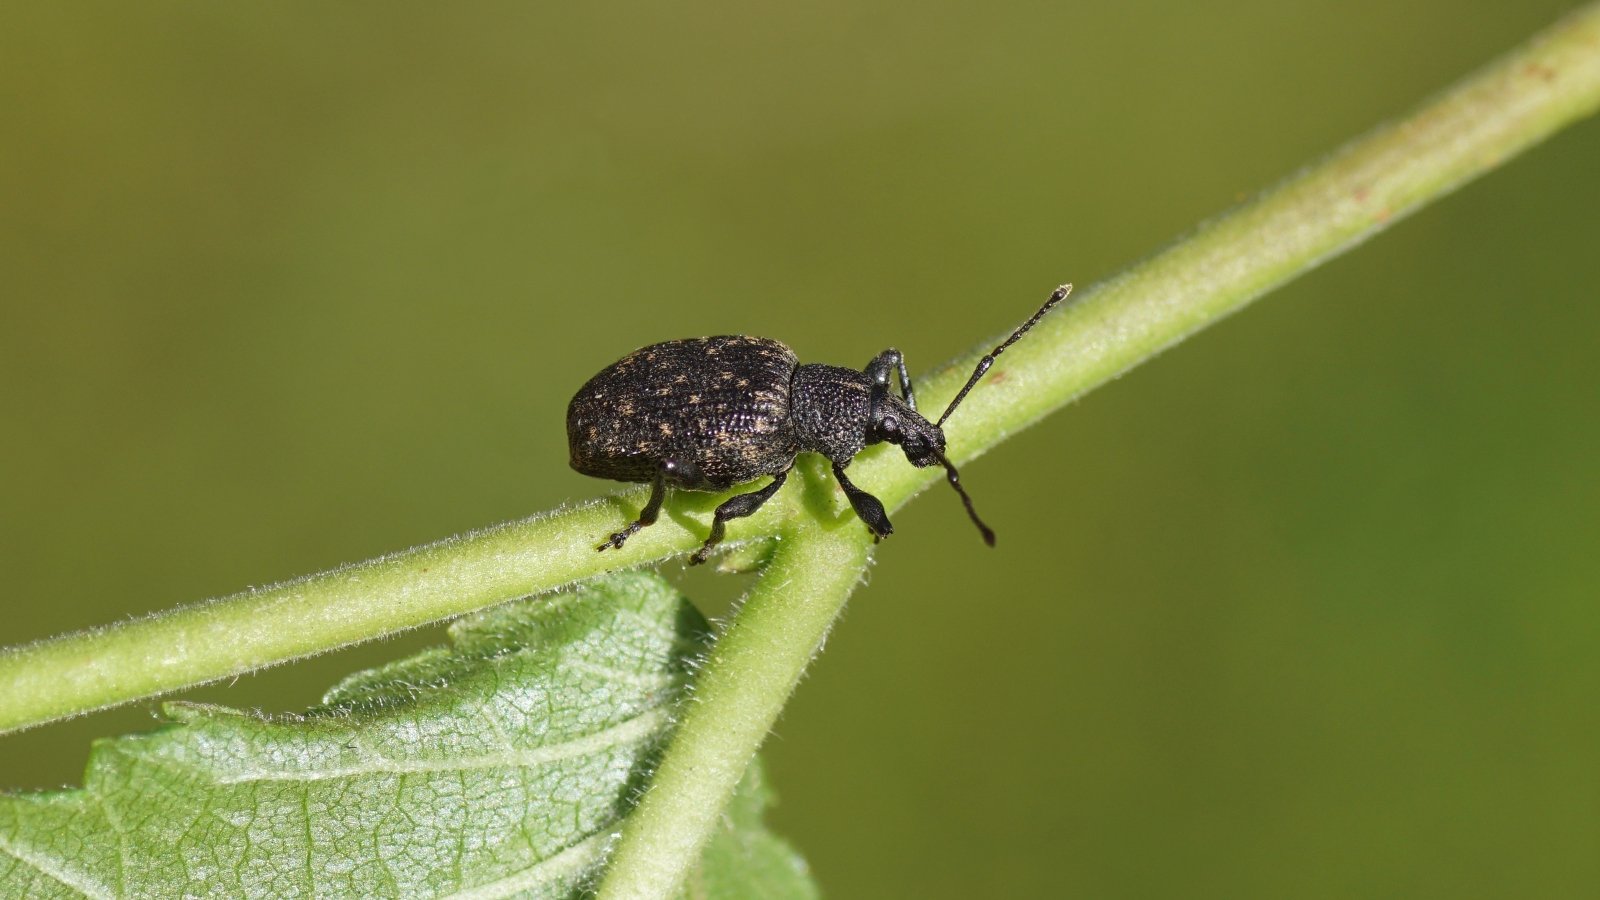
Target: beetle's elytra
705, 414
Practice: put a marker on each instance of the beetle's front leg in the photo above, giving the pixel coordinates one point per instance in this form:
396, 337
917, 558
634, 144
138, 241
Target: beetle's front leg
868, 507
886, 362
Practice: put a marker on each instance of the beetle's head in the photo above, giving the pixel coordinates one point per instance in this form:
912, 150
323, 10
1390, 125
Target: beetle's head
896, 423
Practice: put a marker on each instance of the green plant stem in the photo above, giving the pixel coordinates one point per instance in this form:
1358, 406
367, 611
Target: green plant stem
1486, 119
748, 677
1314, 215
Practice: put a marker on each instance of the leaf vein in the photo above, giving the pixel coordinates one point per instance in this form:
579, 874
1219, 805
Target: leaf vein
567, 863
67, 878
630, 731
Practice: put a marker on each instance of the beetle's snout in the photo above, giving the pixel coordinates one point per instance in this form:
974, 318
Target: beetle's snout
924, 447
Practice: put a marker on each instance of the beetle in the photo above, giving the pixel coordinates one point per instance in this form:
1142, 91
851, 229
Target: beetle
705, 414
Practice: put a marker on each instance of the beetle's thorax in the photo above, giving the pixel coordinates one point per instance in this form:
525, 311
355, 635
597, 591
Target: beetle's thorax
829, 408
836, 412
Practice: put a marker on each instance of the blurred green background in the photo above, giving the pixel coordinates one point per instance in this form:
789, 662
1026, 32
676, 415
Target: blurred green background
1306, 607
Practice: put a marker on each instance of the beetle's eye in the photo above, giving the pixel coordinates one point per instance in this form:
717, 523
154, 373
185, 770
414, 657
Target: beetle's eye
889, 425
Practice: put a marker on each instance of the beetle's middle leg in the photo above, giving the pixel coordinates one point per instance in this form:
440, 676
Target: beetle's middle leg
737, 508
647, 516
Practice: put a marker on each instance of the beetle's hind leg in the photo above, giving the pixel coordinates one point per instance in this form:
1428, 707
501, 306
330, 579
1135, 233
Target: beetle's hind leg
647, 516
737, 508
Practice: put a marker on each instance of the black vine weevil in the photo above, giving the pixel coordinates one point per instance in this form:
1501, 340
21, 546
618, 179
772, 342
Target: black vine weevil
705, 414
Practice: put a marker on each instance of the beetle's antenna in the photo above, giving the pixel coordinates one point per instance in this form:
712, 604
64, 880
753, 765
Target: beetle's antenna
1059, 295
955, 482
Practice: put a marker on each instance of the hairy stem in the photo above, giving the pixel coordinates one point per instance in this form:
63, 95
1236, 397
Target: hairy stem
753, 668
1327, 208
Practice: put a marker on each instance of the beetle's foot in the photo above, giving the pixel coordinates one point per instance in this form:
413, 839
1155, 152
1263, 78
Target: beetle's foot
701, 555
616, 541
882, 531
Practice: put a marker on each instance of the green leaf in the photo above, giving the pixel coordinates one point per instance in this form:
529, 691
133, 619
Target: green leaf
502, 765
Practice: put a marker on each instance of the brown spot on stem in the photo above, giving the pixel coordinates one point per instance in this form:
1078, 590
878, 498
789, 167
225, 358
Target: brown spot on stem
1540, 71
